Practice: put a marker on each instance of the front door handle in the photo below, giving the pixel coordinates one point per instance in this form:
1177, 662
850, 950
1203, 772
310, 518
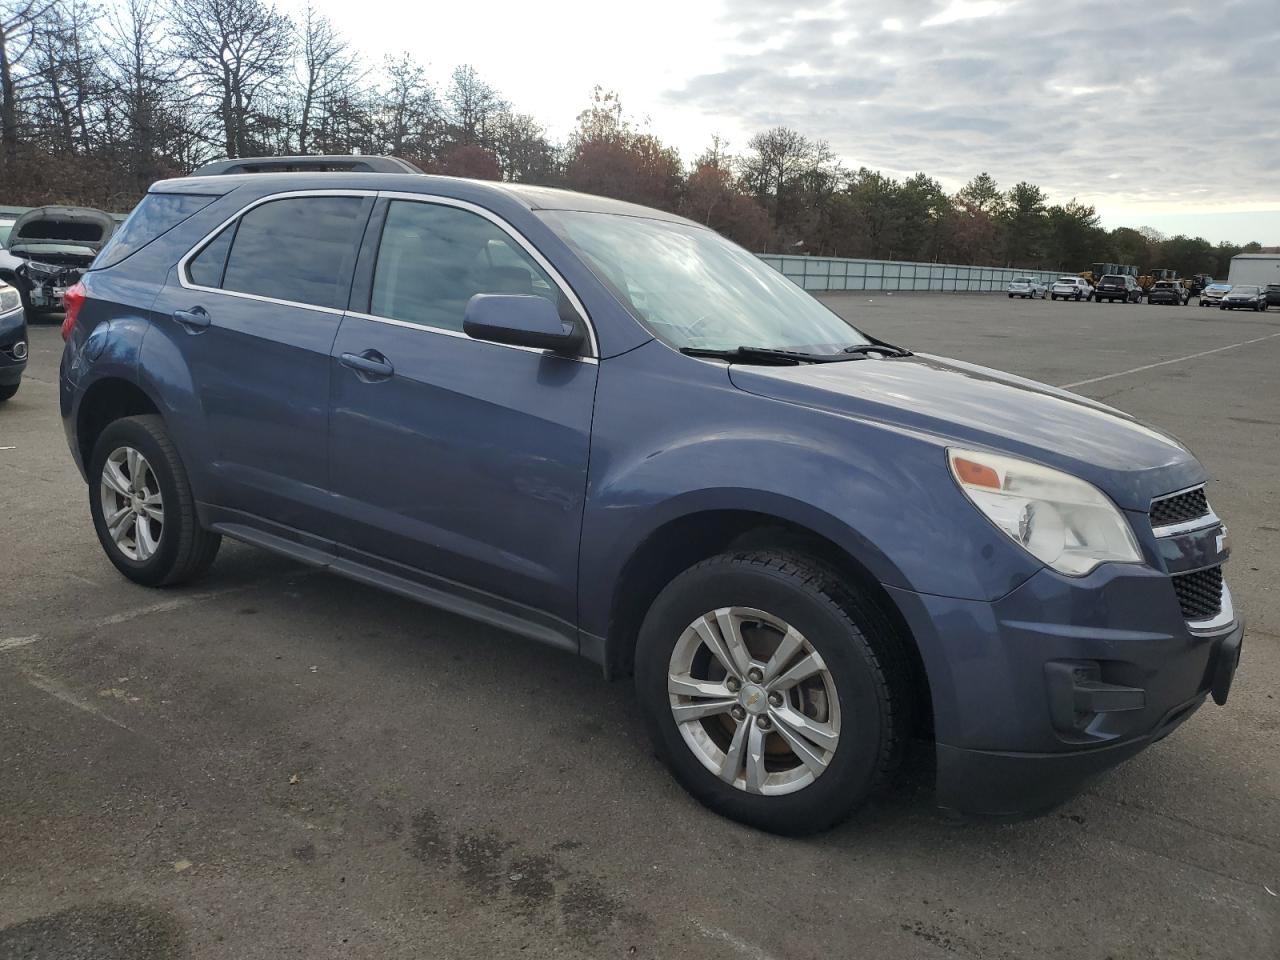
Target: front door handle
369, 365
194, 320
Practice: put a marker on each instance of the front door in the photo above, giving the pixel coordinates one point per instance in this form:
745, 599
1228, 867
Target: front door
456, 463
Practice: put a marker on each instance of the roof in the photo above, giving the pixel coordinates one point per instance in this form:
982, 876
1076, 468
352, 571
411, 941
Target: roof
527, 195
1256, 256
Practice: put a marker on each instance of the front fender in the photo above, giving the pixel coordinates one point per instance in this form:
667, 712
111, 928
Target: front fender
696, 443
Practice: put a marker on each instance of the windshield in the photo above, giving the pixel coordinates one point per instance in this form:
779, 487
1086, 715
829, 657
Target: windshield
690, 287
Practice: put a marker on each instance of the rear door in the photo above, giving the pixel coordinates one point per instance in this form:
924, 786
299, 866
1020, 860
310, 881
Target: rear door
253, 313
459, 464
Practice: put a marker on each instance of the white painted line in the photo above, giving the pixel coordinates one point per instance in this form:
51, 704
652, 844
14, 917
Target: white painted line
1165, 363
163, 606
744, 947
11, 643
56, 690
8, 448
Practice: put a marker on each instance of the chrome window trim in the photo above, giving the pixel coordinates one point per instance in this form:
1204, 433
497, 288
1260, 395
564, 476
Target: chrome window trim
519, 238
1224, 618
185, 281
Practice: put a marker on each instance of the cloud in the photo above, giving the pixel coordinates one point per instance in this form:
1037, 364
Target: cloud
1092, 99
959, 10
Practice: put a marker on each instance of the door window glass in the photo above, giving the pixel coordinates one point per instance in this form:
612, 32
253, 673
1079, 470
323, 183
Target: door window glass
301, 249
434, 258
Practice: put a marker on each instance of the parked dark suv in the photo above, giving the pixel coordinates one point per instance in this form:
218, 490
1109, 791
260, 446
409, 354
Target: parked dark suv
607, 428
13, 341
1117, 286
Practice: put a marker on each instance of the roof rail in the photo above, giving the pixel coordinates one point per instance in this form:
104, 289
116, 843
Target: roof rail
338, 163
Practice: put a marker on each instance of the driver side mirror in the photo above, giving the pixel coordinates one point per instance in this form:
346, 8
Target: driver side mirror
520, 320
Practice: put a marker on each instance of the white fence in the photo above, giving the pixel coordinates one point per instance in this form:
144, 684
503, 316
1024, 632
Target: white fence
833, 273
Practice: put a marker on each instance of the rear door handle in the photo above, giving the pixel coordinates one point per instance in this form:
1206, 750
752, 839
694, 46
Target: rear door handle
194, 320
369, 365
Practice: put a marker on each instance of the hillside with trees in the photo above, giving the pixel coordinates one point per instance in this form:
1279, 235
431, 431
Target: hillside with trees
98, 102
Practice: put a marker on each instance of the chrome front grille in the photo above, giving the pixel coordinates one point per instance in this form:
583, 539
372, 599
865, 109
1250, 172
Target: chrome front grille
1179, 508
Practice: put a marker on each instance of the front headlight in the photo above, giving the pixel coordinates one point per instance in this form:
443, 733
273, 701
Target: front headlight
9, 299
1061, 520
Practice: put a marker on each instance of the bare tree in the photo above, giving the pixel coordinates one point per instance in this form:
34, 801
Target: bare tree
67, 84
474, 108
327, 71
410, 122
148, 107
18, 19
523, 149
238, 52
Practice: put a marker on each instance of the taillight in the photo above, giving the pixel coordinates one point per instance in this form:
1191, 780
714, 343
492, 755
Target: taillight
72, 300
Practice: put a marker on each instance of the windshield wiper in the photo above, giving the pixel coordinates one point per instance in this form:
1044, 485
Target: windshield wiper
882, 349
766, 355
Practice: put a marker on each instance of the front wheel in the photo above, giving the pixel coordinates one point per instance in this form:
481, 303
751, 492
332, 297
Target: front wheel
142, 506
775, 695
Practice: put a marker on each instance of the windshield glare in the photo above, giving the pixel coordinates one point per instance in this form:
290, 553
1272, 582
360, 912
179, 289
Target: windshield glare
690, 287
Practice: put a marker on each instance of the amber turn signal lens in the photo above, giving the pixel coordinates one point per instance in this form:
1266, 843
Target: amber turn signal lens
976, 474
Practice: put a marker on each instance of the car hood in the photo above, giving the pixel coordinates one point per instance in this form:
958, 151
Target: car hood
81, 227
964, 404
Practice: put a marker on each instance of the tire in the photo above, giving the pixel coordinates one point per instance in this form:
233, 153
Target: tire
863, 663
1011, 296
8, 390
182, 550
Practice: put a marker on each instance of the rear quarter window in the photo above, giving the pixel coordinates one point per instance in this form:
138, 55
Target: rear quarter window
156, 215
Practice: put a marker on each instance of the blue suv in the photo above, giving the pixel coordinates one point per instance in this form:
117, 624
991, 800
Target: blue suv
609, 429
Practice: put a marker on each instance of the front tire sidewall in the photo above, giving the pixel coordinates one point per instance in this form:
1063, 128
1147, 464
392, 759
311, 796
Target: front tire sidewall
865, 722
152, 571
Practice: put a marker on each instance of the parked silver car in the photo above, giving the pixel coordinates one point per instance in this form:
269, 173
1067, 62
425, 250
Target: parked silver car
1071, 288
1026, 287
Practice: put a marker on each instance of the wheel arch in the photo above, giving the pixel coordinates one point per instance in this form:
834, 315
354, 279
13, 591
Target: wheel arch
106, 400
689, 538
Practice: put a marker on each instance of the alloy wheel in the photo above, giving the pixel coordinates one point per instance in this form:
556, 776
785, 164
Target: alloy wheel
754, 701
132, 506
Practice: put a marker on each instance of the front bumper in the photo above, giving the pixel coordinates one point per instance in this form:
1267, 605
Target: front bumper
1058, 681
13, 347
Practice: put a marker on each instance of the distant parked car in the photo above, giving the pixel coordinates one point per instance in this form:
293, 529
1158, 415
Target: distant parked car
1168, 291
1272, 293
1200, 281
1071, 288
1214, 292
48, 249
13, 341
1026, 287
1118, 286
1244, 295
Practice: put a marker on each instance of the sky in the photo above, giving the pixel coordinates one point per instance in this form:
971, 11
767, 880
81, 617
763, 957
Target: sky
1159, 114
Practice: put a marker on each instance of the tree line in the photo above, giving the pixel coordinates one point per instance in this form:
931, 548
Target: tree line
96, 103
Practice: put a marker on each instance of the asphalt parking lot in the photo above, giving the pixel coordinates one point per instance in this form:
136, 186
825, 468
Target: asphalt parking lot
279, 763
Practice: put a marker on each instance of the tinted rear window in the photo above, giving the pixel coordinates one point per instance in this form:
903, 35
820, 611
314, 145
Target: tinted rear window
301, 249
156, 215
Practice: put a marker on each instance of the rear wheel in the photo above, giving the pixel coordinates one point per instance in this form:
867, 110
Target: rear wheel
142, 506
776, 695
